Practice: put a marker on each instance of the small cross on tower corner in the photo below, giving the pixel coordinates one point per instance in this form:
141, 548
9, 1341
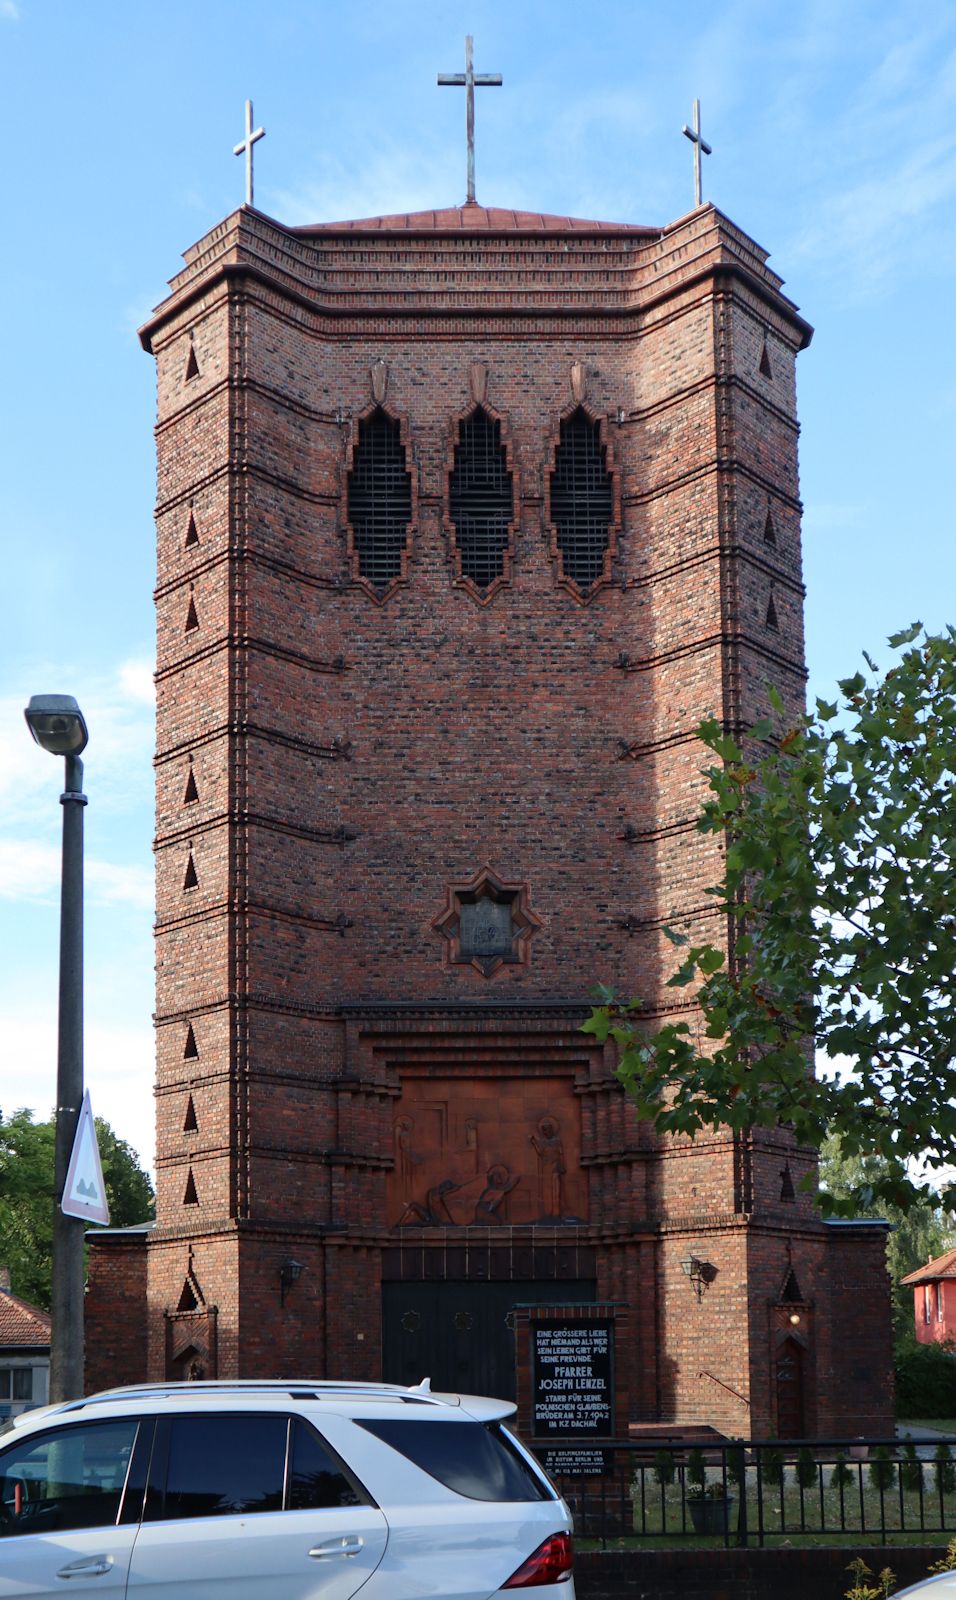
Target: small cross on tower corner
701, 147
245, 147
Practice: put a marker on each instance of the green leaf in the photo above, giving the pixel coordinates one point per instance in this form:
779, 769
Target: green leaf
905, 635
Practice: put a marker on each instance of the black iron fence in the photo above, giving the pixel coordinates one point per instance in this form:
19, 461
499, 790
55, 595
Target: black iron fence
760, 1492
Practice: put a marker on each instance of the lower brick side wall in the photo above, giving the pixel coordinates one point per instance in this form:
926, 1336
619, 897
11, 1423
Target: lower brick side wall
739, 1574
116, 1312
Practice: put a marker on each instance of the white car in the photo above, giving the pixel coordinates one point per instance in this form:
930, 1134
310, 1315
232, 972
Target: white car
294, 1490
940, 1587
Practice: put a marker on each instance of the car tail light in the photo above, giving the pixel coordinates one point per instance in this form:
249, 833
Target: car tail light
550, 1563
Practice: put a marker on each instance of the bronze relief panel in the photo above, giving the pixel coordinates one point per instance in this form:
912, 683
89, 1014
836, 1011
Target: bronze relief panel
497, 1151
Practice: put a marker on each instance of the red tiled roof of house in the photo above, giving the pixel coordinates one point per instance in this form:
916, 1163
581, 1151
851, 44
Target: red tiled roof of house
942, 1267
476, 219
22, 1325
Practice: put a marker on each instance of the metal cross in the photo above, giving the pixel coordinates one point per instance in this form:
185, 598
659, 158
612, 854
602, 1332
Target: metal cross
246, 145
470, 80
700, 144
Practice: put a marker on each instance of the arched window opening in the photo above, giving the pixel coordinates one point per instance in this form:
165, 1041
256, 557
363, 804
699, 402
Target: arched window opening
380, 500
582, 500
481, 499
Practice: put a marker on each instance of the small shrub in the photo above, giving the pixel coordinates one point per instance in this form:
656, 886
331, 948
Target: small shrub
866, 1584
842, 1476
949, 1560
806, 1468
736, 1468
696, 1470
944, 1469
664, 1467
911, 1469
771, 1466
881, 1469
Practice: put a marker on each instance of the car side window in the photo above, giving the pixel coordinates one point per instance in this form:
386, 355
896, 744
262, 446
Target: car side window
65, 1478
317, 1479
217, 1466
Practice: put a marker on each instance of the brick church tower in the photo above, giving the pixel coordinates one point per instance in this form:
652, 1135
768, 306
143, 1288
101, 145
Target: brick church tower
465, 520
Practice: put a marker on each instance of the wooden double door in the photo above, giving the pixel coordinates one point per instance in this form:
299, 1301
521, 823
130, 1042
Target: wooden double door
461, 1335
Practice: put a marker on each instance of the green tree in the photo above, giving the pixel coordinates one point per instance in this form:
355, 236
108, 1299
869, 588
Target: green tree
840, 897
919, 1233
26, 1197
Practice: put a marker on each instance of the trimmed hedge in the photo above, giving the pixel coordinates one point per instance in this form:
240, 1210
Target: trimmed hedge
926, 1381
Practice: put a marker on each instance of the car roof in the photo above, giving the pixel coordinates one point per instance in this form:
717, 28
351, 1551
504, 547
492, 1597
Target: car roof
312, 1394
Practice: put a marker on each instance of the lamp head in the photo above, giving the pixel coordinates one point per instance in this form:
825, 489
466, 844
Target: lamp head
56, 723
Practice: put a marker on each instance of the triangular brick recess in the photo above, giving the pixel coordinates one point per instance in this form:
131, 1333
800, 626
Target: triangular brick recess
191, 879
187, 1300
192, 365
190, 1198
771, 618
192, 532
765, 368
189, 1120
192, 793
191, 1048
769, 531
786, 1183
192, 620
790, 1293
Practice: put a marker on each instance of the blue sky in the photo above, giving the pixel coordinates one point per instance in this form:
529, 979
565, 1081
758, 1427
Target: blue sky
834, 131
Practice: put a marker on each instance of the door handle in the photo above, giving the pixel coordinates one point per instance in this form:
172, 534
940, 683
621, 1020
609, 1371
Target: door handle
90, 1567
337, 1547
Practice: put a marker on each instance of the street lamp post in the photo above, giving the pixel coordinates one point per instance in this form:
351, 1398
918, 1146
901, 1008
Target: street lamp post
56, 723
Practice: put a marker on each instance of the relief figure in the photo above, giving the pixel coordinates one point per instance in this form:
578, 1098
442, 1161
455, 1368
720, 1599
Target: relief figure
551, 1166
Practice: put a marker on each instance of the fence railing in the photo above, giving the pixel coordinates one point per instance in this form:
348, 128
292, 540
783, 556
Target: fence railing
759, 1491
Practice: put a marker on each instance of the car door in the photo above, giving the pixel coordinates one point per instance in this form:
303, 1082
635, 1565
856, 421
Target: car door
247, 1505
70, 1499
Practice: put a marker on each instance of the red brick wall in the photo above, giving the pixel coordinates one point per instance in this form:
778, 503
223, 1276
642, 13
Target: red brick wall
353, 760
115, 1305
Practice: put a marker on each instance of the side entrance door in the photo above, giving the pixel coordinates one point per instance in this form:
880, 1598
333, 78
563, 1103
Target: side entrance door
461, 1335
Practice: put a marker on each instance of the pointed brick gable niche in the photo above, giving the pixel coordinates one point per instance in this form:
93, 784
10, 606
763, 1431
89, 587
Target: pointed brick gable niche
192, 618
190, 1049
769, 531
192, 365
790, 1293
766, 371
190, 1197
191, 792
190, 1124
192, 532
191, 878
771, 617
487, 923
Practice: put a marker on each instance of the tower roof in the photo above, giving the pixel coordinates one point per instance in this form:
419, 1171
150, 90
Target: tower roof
476, 219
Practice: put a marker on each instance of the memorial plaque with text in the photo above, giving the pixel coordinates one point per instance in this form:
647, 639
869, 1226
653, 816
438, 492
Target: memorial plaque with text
577, 1463
572, 1379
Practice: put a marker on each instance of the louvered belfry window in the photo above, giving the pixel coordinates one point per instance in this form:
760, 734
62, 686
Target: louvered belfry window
582, 505
481, 503
380, 500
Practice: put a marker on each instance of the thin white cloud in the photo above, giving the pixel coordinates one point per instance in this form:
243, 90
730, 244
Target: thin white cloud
832, 517
118, 1069
30, 870
8, 11
136, 681
386, 183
